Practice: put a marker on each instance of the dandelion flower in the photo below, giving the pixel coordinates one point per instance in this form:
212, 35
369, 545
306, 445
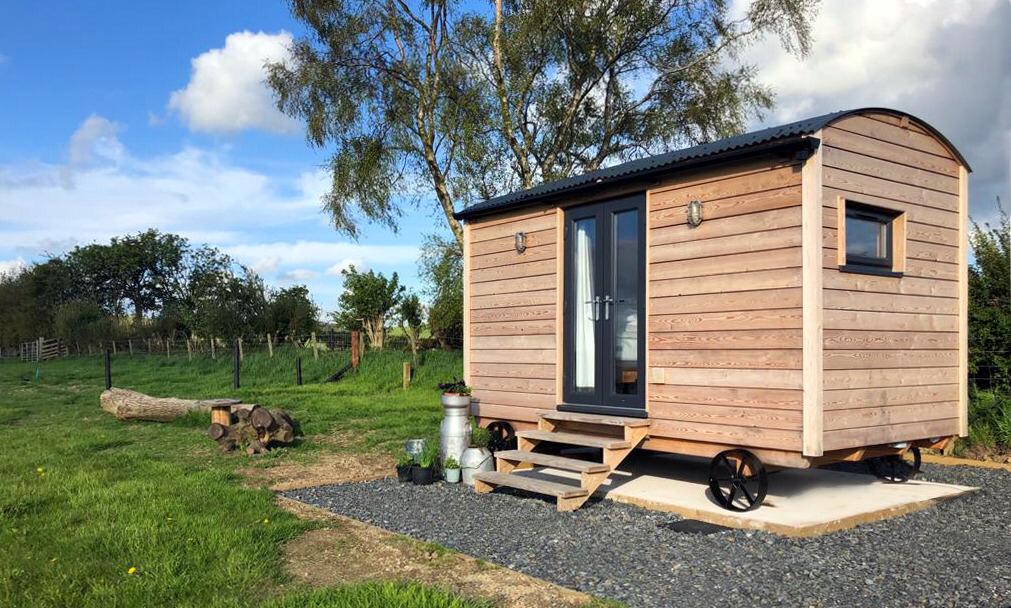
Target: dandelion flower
132, 570
40, 470
266, 521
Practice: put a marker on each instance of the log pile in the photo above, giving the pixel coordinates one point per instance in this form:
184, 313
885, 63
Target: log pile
254, 429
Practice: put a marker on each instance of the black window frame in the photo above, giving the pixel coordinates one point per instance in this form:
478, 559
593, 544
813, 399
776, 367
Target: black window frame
872, 264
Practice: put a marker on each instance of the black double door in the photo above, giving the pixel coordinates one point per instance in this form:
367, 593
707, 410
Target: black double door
604, 324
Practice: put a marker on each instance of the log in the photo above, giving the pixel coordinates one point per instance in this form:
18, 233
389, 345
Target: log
261, 418
131, 405
217, 431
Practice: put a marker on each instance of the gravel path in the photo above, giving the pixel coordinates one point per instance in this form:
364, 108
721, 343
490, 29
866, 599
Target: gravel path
955, 554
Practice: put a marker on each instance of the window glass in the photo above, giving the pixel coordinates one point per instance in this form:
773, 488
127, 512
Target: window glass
866, 237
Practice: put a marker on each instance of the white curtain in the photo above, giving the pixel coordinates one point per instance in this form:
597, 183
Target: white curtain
585, 347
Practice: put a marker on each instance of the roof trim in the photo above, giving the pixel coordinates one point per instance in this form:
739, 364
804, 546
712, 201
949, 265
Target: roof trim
797, 134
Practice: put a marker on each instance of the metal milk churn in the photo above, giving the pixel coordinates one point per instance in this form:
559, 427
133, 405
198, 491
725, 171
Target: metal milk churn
455, 428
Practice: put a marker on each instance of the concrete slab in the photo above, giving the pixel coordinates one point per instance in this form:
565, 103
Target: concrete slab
799, 503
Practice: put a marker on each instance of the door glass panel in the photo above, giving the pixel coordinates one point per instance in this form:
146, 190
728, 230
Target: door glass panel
584, 343
625, 308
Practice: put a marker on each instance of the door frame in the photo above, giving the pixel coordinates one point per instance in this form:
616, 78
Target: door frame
603, 400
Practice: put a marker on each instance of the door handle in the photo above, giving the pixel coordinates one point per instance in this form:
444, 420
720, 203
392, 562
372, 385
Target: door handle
596, 307
607, 307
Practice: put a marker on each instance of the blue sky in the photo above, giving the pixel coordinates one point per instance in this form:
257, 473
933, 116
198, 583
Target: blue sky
119, 116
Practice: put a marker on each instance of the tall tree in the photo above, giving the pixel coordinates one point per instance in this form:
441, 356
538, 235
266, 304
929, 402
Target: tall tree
441, 268
475, 102
293, 315
990, 304
366, 303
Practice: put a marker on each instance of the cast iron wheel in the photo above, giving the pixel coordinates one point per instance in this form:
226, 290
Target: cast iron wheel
895, 468
738, 480
503, 436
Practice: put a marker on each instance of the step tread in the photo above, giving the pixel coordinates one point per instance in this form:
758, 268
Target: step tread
596, 419
555, 462
531, 484
591, 441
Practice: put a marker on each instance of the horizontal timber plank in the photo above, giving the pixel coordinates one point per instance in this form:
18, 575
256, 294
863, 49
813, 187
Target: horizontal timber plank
538, 313
878, 129
522, 369
888, 340
545, 220
727, 283
740, 378
511, 286
911, 431
880, 359
917, 215
740, 243
520, 269
881, 378
883, 416
760, 181
513, 328
888, 321
754, 338
508, 243
856, 398
528, 298
734, 206
531, 484
513, 356
730, 359
510, 257
887, 302
518, 342
783, 318
582, 439
873, 186
923, 242
726, 396
733, 263
766, 299
727, 226
833, 279
496, 411
886, 169
868, 146
735, 416
552, 461
915, 268
540, 386
519, 399
738, 436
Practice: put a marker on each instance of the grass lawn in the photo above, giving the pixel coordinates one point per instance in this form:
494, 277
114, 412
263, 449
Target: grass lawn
99, 512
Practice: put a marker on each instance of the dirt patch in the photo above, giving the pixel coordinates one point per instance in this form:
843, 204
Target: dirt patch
349, 551
324, 469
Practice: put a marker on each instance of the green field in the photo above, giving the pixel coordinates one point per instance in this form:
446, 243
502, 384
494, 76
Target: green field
99, 512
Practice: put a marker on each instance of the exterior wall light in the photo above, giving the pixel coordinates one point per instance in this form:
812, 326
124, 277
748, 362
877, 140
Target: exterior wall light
521, 242
694, 213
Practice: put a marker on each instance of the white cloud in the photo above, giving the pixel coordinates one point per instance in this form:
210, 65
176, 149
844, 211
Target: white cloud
341, 266
227, 93
297, 275
945, 61
334, 256
12, 267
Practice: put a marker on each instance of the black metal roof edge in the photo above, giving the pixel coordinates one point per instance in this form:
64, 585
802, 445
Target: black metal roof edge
746, 143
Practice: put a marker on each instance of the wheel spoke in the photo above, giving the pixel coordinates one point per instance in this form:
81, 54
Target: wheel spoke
747, 494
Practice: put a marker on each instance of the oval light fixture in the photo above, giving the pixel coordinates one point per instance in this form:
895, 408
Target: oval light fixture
521, 242
694, 213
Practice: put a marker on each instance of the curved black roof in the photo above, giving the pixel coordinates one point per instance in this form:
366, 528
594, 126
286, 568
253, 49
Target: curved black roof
792, 133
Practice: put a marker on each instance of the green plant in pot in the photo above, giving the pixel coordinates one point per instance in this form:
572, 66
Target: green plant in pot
451, 470
405, 462
424, 473
477, 457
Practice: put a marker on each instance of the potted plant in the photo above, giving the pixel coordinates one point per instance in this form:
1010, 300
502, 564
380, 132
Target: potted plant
404, 465
477, 457
451, 470
423, 474
454, 432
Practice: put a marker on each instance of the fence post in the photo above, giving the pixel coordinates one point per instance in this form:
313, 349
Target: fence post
270, 345
298, 371
168, 347
213, 340
241, 354
38, 349
129, 344
189, 350
355, 349
108, 370
114, 347
407, 374
236, 364
315, 348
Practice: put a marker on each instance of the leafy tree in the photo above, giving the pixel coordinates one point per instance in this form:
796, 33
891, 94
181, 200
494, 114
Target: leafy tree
83, 321
146, 267
990, 305
366, 303
411, 314
223, 304
478, 101
441, 268
17, 308
293, 316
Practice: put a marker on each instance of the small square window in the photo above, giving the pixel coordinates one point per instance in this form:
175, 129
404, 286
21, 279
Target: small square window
871, 239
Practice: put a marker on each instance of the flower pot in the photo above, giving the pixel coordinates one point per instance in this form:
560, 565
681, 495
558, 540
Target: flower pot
451, 475
475, 460
422, 476
454, 432
404, 472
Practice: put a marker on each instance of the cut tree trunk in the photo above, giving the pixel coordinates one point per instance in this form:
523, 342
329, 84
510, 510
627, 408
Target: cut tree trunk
131, 405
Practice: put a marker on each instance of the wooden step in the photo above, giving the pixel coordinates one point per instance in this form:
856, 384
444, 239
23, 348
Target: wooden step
590, 441
530, 484
555, 462
595, 419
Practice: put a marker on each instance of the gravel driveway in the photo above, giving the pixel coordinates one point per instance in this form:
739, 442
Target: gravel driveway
955, 554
